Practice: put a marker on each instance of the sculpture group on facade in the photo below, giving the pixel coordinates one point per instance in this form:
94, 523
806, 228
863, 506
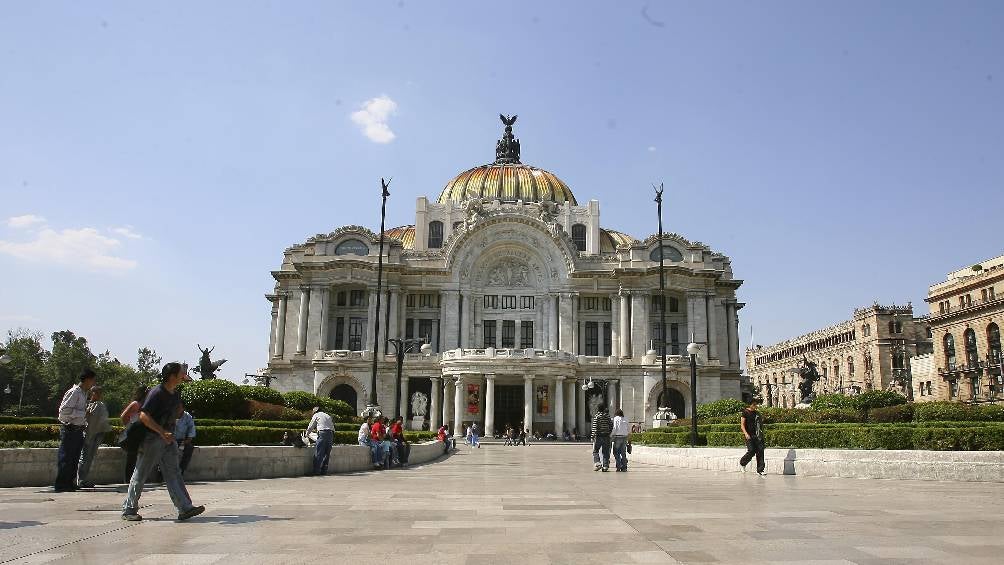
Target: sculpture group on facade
809, 375
208, 367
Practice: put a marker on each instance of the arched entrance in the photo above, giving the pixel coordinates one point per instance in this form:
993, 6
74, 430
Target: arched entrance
676, 402
346, 394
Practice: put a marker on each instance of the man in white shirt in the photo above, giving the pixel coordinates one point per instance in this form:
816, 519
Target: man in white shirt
325, 427
620, 435
73, 419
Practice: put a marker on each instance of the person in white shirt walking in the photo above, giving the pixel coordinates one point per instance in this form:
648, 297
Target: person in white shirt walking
97, 427
325, 427
73, 419
620, 434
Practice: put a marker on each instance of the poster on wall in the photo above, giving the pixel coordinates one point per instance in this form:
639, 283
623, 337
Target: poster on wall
473, 398
543, 400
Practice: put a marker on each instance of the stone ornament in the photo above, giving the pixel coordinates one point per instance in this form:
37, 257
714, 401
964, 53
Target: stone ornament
419, 404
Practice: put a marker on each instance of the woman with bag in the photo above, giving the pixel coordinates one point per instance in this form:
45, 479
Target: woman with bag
127, 441
620, 436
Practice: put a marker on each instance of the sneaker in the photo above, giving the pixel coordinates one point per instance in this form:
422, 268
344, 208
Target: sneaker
762, 473
132, 517
191, 513
743, 467
596, 468
86, 484
605, 469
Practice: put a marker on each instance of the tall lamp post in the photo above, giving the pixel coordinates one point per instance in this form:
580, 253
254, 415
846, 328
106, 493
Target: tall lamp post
372, 408
401, 346
663, 411
693, 349
5, 359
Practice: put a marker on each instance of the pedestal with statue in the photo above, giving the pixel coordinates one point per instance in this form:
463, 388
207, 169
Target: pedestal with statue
419, 408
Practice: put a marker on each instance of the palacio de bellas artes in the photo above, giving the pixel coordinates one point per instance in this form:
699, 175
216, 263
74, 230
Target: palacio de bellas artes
517, 304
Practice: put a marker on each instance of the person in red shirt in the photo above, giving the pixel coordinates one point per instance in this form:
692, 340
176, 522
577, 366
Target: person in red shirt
446, 437
377, 432
400, 444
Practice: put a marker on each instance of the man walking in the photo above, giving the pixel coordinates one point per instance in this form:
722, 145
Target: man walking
159, 448
325, 427
97, 427
620, 435
73, 419
475, 441
184, 434
601, 439
751, 424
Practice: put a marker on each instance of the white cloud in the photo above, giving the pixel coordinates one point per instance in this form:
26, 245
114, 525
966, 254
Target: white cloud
127, 231
25, 221
651, 148
83, 248
372, 119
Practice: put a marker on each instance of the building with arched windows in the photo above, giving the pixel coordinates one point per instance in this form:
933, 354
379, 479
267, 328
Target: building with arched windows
535, 313
871, 351
967, 313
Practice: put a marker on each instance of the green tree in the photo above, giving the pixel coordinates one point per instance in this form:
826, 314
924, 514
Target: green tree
70, 356
118, 381
148, 364
28, 359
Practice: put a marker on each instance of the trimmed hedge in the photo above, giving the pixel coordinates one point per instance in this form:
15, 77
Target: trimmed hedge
212, 398
723, 407
901, 413
339, 410
261, 394
873, 437
28, 420
956, 411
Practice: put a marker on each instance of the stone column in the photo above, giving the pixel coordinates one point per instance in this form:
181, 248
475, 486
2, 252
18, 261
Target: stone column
301, 329
465, 320
528, 403
615, 309
325, 306
712, 334
575, 324
371, 315
580, 409
458, 407
280, 327
434, 413
565, 319
489, 405
552, 323
625, 325
448, 320
516, 340
559, 406
733, 324
639, 323
613, 395
697, 320
570, 404
392, 327
404, 400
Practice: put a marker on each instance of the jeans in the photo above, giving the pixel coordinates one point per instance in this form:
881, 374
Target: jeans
403, 451
386, 453
322, 451
131, 455
754, 446
601, 443
620, 452
375, 455
474, 440
186, 455
154, 451
71, 443
91, 444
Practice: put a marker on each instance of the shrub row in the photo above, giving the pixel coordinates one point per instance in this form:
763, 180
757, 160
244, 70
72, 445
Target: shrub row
874, 437
732, 427
909, 412
680, 438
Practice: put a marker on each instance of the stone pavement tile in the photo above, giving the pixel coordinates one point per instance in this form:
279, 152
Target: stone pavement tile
904, 552
971, 541
693, 557
781, 534
651, 557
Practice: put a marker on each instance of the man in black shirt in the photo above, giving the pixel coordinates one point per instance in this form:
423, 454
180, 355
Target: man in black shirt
751, 424
158, 415
602, 426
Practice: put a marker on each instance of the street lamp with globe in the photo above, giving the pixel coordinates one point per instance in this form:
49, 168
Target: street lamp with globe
5, 359
693, 349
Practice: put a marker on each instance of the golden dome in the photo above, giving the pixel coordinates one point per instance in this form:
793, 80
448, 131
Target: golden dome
507, 179
509, 182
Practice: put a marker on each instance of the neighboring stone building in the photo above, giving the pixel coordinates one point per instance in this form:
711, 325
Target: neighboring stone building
522, 295
967, 312
870, 351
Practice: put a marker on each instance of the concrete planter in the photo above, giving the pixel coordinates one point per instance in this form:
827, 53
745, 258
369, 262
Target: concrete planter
37, 466
975, 466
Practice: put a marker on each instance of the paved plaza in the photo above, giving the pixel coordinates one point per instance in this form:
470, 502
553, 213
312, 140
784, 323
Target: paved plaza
526, 505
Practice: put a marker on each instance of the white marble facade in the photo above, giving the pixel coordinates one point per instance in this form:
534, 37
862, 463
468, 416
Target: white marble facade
522, 296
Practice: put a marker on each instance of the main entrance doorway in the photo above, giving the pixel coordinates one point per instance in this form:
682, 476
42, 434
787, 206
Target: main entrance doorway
508, 406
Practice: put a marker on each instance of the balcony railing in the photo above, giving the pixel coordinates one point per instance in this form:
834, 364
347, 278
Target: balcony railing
505, 353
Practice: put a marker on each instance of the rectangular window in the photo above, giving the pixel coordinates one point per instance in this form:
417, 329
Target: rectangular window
990, 293
658, 338
409, 328
526, 335
356, 297
674, 304
428, 301
953, 388
341, 298
357, 329
983, 292
508, 333
607, 340
592, 339
340, 332
491, 302
409, 302
425, 331
526, 302
657, 302
674, 339
489, 333
508, 302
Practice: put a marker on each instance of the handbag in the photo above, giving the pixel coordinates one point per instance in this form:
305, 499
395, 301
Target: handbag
629, 447
132, 436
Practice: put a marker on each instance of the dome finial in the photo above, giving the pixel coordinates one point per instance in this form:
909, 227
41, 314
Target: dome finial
507, 148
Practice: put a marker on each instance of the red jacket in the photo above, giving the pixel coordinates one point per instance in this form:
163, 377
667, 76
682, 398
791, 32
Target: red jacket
376, 431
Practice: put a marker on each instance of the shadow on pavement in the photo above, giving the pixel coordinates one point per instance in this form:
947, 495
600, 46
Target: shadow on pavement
237, 519
21, 524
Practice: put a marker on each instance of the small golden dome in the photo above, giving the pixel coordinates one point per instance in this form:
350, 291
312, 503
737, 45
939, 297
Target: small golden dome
507, 179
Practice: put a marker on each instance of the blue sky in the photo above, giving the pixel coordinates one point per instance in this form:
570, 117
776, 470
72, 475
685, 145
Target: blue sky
161, 157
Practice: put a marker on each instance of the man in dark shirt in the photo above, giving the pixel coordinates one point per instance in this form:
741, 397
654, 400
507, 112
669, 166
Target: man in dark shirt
602, 426
751, 424
158, 414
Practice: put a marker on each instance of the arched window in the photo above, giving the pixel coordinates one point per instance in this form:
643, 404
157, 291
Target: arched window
579, 236
868, 362
949, 342
435, 234
346, 394
994, 342
850, 366
892, 327
972, 353
866, 330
